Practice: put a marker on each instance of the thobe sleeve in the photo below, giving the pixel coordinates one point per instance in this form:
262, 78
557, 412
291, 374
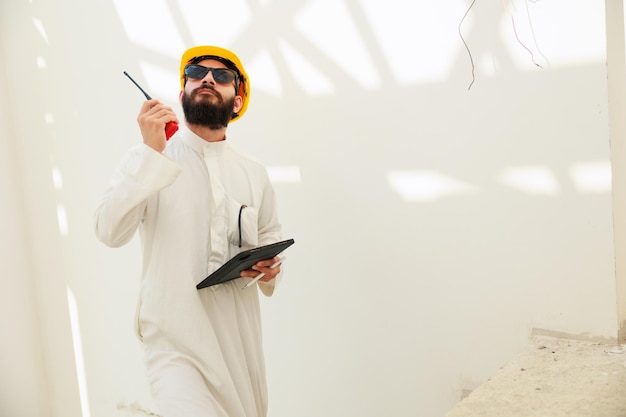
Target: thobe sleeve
142, 173
269, 232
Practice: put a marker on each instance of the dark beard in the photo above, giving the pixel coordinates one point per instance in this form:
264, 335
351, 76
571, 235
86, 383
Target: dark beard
206, 113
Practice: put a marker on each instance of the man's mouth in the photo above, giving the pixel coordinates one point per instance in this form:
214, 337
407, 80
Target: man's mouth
206, 91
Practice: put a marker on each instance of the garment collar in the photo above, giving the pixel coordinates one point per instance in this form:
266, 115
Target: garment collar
201, 146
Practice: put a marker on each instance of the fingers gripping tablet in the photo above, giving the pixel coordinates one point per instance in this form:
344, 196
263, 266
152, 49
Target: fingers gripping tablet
242, 261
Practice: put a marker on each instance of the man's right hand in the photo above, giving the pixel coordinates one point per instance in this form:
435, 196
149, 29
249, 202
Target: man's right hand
152, 119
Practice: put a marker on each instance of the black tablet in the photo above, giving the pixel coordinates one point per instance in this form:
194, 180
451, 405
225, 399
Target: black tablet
242, 261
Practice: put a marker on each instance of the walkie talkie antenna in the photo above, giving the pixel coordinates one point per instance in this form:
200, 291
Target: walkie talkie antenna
170, 127
134, 82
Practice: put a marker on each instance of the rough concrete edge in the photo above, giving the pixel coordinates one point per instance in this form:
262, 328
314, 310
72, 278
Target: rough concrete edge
581, 337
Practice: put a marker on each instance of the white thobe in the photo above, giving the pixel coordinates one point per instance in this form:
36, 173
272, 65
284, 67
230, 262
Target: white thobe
194, 207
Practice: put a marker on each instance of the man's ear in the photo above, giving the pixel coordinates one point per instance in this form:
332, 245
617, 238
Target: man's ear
238, 104
180, 96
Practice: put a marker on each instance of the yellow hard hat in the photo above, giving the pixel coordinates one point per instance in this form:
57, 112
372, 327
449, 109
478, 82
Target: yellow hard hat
229, 59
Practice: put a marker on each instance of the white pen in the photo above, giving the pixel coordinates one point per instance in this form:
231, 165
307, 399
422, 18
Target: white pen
261, 275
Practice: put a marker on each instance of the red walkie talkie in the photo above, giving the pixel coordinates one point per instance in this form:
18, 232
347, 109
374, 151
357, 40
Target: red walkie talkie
170, 127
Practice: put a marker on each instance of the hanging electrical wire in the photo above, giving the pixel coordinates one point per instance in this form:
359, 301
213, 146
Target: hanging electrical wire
532, 30
532, 55
464, 43
507, 10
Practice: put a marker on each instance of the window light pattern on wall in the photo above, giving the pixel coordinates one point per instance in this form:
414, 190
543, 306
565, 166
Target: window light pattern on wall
394, 37
425, 186
428, 186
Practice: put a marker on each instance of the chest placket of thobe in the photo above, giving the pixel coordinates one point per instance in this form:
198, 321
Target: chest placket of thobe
218, 226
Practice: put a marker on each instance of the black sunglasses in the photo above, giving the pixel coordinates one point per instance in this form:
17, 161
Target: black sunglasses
220, 75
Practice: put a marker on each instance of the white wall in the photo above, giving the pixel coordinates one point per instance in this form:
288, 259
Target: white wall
396, 299
40, 378
22, 385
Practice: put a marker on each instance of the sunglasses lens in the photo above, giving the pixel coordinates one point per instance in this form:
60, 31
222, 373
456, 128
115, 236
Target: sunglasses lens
197, 72
223, 75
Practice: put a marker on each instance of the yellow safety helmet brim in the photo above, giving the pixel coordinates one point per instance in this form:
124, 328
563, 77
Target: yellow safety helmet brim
216, 51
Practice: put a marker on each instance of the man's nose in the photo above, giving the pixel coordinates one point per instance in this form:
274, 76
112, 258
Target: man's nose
208, 78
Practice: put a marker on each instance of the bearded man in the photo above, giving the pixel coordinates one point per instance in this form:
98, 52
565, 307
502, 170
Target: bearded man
196, 202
